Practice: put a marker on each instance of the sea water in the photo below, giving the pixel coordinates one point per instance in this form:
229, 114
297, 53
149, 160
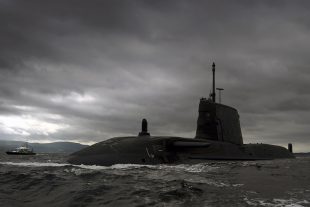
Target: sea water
48, 180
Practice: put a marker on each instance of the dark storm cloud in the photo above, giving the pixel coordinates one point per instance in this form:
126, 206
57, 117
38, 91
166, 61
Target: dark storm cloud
94, 69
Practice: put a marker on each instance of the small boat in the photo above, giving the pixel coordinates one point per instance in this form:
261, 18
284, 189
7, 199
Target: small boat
23, 150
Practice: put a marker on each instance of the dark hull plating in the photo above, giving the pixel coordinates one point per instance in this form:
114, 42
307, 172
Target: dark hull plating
173, 150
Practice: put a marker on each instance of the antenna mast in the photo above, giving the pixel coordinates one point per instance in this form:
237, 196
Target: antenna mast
213, 86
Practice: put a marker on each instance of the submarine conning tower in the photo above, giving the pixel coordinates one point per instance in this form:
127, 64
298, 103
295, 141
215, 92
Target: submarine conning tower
144, 131
217, 121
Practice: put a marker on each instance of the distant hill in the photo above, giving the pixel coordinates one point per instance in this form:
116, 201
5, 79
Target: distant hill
302, 154
54, 147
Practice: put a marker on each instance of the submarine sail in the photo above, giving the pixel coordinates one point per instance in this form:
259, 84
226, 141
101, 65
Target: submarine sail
217, 121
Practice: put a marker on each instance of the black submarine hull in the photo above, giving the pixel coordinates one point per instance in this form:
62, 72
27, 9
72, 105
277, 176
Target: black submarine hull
171, 150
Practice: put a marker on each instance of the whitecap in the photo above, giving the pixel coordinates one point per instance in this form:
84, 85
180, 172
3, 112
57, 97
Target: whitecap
276, 202
197, 168
35, 164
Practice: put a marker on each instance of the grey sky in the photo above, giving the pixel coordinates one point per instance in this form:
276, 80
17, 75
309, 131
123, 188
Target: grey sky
90, 70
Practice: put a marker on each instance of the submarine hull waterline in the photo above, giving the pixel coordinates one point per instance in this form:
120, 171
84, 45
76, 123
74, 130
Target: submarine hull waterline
171, 150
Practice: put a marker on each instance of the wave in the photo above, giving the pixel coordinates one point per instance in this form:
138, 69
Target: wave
35, 164
50, 181
292, 202
197, 168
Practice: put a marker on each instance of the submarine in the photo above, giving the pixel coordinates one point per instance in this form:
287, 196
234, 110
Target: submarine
218, 137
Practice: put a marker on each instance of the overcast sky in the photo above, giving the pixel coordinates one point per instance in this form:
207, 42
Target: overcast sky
86, 71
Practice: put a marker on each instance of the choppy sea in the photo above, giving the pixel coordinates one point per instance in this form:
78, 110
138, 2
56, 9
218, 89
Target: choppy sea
48, 180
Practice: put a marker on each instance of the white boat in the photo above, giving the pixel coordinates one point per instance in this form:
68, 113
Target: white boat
23, 150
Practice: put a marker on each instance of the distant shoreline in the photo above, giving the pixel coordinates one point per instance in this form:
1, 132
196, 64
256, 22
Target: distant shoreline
53, 147
302, 154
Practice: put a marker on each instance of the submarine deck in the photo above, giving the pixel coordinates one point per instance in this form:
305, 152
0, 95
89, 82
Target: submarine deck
174, 150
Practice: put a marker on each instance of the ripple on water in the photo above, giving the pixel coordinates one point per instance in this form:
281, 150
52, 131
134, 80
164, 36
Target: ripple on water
276, 202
